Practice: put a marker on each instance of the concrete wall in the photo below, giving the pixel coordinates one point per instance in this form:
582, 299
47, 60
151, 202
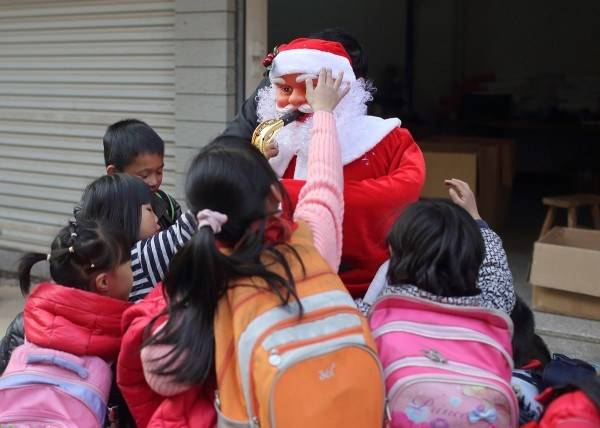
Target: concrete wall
205, 76
256, 42
204, 66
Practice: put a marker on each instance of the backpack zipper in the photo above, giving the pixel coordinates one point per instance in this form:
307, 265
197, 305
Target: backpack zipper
452, 366
466, 309
441, 332
29, 370
275, 356
254, 333
51, 422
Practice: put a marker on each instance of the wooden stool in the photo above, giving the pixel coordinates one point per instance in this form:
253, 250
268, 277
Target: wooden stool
570, 203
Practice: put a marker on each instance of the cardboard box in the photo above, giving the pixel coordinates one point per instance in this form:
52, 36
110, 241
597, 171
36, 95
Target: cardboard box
565, 272
494, 175
443, 165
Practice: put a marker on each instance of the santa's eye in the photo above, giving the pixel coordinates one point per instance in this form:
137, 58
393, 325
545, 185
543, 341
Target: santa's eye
285, 89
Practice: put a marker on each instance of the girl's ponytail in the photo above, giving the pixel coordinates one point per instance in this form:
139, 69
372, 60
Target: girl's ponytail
25, 264
228, 176
78, 252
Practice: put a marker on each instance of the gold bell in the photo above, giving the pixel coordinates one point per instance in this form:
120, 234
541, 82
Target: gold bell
265, 131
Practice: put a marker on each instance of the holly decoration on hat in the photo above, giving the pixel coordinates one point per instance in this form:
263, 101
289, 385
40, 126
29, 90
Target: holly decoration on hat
268, 60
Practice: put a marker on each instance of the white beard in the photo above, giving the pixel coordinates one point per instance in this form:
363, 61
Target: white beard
357, 132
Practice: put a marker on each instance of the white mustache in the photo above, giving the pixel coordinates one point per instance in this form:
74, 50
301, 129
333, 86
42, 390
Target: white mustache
304, 108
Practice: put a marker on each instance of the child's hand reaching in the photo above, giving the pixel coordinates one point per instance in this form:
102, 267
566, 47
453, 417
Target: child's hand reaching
271, 150
328, 92
462, 195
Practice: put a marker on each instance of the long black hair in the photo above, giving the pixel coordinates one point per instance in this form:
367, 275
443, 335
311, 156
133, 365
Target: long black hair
80, 251
437, 246
232, 177
526, 344
116, 200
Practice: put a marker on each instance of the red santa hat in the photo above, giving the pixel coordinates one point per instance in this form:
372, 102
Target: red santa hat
308, 57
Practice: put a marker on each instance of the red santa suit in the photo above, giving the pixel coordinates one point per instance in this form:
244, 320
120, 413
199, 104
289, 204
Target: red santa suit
384, 169
376, 188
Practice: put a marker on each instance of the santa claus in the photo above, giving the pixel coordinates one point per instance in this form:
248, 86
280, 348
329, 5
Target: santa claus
384, 169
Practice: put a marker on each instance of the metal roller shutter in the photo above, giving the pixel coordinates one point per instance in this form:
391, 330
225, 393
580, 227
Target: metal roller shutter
67, 70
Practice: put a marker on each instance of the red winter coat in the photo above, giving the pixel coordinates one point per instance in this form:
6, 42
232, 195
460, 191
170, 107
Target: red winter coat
571, 410
74, 321
377, 186
141, 400
192, 408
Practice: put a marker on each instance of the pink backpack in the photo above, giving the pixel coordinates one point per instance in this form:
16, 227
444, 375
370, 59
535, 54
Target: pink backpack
445, 366
47, 388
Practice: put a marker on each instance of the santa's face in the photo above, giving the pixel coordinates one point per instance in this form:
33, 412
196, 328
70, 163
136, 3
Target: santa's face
294, 139
290, 93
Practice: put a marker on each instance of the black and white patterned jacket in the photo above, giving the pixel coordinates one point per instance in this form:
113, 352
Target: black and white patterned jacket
495, 281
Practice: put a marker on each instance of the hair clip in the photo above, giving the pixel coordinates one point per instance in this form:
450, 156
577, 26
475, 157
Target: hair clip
71, 250
48, 256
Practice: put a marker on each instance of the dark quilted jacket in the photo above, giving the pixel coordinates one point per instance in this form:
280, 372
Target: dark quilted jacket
14, 337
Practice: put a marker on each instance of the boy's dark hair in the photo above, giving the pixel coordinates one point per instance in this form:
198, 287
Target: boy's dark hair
526, 344
357, 54
232, 177
124, 140
79, 251
436, 246
117, 201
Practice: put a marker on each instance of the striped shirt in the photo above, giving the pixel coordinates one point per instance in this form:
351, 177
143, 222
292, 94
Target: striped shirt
150, 257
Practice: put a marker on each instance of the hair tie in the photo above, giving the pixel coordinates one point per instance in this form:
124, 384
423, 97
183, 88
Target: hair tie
71, 250
213, 219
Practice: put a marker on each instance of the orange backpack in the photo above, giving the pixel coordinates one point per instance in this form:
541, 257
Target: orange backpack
276, 369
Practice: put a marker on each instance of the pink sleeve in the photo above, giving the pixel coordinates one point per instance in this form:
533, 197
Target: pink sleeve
152, 358
321, 200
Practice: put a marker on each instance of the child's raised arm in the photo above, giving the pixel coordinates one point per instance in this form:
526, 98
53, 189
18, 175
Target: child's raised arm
321, 200
495, 278
150, 257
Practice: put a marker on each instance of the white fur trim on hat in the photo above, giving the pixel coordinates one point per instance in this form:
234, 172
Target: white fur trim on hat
310, 61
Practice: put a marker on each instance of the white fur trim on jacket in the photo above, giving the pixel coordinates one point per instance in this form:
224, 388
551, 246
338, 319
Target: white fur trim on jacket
356, 138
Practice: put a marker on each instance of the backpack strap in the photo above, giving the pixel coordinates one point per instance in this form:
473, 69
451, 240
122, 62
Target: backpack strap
171, 209
58, 361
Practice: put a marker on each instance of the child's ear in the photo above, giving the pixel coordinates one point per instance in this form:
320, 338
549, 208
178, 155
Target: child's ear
111, 169
101, 284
